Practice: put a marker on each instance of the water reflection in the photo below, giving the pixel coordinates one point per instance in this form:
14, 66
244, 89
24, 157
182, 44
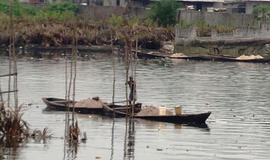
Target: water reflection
129, 145
70, 152
162, 125
70, 149
9, 153
112, 140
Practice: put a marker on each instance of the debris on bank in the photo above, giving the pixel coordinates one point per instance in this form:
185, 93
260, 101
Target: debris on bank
244, 57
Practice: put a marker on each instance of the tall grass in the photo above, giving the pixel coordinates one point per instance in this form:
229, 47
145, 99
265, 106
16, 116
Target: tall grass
204, 29
13, 129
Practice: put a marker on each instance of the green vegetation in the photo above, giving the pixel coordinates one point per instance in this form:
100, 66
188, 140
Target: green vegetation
262, 12
143, 29
164, 12
51, 26
57, 11
19, 9
184, 25
223, 29
204, 29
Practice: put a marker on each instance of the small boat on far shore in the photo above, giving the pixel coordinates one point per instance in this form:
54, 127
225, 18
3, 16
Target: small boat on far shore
157, 55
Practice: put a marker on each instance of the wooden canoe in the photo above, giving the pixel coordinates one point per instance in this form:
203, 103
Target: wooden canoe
120, 110
179, 119
59, 104
193, 119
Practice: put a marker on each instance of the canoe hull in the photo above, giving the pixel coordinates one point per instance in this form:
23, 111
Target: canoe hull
111, 110
180, 119
58, 104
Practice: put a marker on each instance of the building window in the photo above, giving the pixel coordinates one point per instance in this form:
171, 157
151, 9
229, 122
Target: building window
118, 2
241, 10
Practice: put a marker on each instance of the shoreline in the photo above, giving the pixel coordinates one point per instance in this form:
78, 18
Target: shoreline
84, 51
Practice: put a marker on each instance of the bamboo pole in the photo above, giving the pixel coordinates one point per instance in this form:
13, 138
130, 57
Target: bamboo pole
75, 73
10, 48
134, 77
12, 59
15, 82
66, 104
70, 80
1, 96
6, 75
13, 91
112, 140
113, 63
127, 73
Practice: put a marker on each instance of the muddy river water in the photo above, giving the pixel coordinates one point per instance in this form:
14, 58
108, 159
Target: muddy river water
237, 94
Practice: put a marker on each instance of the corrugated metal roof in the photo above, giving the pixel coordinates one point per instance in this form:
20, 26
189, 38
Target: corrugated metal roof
221, 1
210, 1
246, 0
256, 0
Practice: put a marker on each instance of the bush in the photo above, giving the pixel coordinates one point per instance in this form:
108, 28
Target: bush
164, 12
62, 8
261, 12
4, 6
19, 9
57, 11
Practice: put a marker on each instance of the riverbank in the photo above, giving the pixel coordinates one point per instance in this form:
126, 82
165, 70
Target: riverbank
52, 36
222, 35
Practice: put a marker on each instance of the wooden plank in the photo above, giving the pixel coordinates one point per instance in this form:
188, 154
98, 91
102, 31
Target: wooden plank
8, 91
5, 75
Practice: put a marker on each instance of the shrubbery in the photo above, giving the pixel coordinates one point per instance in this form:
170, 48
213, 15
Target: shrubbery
262, 12
57, 11
19, 9
164, 12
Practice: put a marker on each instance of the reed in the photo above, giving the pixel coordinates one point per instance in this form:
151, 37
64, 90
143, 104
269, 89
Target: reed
13, 129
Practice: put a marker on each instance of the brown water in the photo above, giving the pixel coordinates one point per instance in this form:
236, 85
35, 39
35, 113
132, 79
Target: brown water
236, 93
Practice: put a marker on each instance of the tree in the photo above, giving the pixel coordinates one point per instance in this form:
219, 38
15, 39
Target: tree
261, 12
164, 12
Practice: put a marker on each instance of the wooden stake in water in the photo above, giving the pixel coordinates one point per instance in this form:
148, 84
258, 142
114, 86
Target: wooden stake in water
1, 96
12, 59
113, 63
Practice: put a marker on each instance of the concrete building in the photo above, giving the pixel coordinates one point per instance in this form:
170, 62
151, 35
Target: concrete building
121, 3
244, 6
228, 6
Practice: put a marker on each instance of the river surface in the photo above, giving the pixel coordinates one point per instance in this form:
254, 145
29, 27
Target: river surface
237, 94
